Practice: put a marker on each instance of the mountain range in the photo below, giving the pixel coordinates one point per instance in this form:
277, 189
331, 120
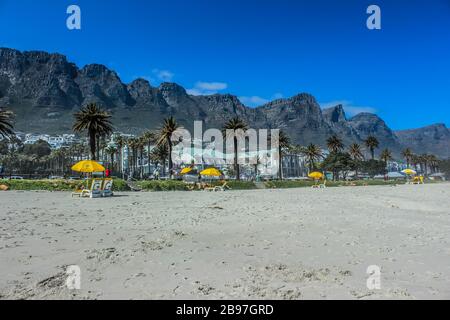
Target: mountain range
44, 90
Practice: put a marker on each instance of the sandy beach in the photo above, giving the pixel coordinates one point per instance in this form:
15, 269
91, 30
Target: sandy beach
262, 244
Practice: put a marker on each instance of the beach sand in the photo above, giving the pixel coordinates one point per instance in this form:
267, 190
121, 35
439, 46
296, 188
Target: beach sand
262, 244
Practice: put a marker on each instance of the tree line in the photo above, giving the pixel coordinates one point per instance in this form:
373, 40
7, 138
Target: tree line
96, 124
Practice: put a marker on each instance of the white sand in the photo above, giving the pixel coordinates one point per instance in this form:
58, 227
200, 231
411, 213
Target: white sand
264, 244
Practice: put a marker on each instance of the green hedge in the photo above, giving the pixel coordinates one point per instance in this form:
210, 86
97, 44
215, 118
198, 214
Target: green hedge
56, 185
302, 184
168, 185
275, 184
160, 185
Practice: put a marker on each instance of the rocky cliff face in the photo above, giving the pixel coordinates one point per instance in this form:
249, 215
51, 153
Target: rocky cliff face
433, 139
44, 90
300, 117
337, 119
367, 124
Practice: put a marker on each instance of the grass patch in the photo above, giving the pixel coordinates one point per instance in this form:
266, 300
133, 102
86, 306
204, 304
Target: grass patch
166, 185
55, 185
239, 185
169, 185
276, 184
302, 184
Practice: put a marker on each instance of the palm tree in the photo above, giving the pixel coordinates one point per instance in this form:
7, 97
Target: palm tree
433, 161
415, 160
96, 122
386, 156
356, 154
283, 146
120, 142
256, 164
423, 160
335, 144
313, 154
111, 150
101, 146
232, 129
141, 143
165, 137
372, 143
132, 144
407, 154
355, 151
159, 155
6, 127
149, 137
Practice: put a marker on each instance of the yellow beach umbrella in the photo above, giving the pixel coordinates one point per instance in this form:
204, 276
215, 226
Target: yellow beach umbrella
409, 172
213, 172
186, 170
88, 166
316, 175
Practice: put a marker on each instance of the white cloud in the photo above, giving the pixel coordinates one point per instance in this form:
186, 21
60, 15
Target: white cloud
277, 96
253, 101
352, 111
202, 88
256, 101
211, 86
158, 76
349, 107
163, 75
195, 92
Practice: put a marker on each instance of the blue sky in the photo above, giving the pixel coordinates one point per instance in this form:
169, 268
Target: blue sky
259, 49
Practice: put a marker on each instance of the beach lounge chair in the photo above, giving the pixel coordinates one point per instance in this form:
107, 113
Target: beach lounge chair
191, 186
107, 188
209, 188
223, 187
323, 185
77, 192
95, 191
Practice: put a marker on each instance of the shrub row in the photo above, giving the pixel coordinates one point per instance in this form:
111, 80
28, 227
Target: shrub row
166, 185
56, 185
169, 185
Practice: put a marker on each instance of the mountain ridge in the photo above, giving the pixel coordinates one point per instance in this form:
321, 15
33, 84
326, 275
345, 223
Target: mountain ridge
45, 89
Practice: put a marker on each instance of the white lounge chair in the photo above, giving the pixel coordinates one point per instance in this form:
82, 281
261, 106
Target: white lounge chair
320, 186
107, 188
95, 191
223, 187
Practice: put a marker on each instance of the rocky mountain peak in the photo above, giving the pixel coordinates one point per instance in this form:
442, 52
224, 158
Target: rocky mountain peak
368, 124
303, 98
98, 72
174, 94
364, 116
146, 95
433, 139
171, 88
44, 89
140, 87
335, 114
438, 126
141, 82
